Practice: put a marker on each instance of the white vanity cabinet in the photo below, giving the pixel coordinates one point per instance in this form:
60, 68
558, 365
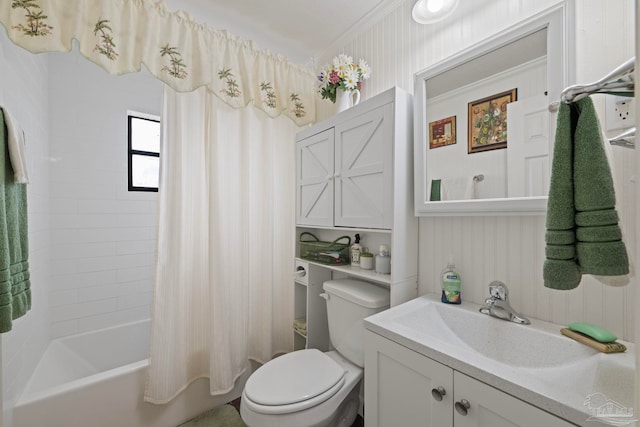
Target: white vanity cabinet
403, 388
398, 384
490, 407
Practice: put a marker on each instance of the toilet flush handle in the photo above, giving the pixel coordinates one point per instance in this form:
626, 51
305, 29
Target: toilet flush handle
325, 296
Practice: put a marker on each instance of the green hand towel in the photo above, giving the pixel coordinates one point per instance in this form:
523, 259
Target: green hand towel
596, 218
603, 233
15, 285
561, 270
594, 192
560, 204
592, 178
603, 258
583, 236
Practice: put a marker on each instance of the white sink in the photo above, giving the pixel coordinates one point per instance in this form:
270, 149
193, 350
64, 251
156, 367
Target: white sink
528, 346
534, 363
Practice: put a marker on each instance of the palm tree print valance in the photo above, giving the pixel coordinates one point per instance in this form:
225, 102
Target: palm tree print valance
121, 35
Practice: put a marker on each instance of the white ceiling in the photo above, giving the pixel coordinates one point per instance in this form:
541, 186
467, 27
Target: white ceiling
299, 29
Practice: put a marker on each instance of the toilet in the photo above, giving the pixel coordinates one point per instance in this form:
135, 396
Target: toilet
309, 388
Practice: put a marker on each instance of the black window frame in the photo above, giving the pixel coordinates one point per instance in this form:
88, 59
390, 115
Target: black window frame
131, 152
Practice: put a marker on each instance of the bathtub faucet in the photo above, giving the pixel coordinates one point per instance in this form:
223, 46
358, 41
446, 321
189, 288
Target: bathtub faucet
497, 304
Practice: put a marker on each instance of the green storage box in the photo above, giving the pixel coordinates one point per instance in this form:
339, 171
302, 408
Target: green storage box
333, 253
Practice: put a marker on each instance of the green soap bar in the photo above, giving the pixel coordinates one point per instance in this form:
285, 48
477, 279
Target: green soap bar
593, 331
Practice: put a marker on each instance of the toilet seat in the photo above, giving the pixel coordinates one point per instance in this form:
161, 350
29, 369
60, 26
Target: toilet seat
304, 379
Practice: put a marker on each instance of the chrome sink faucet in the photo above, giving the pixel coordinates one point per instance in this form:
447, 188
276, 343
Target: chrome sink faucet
497, 305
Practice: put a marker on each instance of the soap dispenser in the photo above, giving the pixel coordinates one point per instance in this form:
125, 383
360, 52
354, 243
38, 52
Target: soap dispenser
451, 283
355, 251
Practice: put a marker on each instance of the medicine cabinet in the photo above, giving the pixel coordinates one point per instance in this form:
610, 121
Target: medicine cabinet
466, 162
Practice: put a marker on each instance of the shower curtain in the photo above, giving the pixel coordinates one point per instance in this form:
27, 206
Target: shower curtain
223, 292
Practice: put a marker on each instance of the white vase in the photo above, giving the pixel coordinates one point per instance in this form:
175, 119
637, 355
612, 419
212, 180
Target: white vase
346, 99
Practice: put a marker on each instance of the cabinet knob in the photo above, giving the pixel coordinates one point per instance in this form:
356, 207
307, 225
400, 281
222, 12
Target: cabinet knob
337, 175
438, 393
462, 406
329, 177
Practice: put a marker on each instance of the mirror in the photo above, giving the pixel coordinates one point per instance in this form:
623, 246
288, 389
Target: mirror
467, 160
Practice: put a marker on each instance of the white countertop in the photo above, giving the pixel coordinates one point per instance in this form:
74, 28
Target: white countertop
558, 388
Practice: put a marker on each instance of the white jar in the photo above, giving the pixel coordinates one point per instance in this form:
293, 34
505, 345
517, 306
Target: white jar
383, 260
366, 261
383, 264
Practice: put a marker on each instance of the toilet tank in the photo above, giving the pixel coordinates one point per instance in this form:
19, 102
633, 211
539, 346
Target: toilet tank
349, 301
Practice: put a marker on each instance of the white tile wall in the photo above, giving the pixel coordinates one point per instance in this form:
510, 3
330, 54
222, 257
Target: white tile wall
23, 92
103, 237
511, 249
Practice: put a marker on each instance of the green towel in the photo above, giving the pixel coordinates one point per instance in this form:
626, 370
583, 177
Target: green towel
583, 236
15, 286
435, 190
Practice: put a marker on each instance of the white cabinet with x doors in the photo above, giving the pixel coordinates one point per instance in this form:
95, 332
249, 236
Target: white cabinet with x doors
354, 174
345, 172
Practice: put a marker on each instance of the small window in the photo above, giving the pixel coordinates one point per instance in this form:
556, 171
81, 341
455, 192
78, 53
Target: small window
144, 152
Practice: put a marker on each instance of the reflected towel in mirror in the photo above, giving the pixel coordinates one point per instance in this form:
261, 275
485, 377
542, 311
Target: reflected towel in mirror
459, 188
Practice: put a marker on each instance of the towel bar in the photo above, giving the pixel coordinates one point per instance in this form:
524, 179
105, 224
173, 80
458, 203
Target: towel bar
620, 82
625, 139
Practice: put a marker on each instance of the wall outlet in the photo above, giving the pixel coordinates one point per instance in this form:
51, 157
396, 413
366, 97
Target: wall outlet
620, 112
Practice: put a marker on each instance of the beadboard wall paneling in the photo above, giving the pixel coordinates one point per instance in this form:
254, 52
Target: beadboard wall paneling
510, 249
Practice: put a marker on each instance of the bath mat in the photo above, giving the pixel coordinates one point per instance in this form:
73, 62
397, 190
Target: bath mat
222, 416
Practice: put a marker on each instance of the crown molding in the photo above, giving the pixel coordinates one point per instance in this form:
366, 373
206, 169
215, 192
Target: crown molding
383, 9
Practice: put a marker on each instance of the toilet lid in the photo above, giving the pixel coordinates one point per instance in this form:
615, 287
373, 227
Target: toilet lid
293, 377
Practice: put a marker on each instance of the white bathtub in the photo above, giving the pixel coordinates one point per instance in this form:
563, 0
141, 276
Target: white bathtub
97, 379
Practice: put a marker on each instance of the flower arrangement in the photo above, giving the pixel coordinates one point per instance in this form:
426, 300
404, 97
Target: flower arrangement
342, 73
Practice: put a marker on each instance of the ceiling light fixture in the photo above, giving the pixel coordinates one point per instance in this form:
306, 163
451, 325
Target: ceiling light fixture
430, 11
